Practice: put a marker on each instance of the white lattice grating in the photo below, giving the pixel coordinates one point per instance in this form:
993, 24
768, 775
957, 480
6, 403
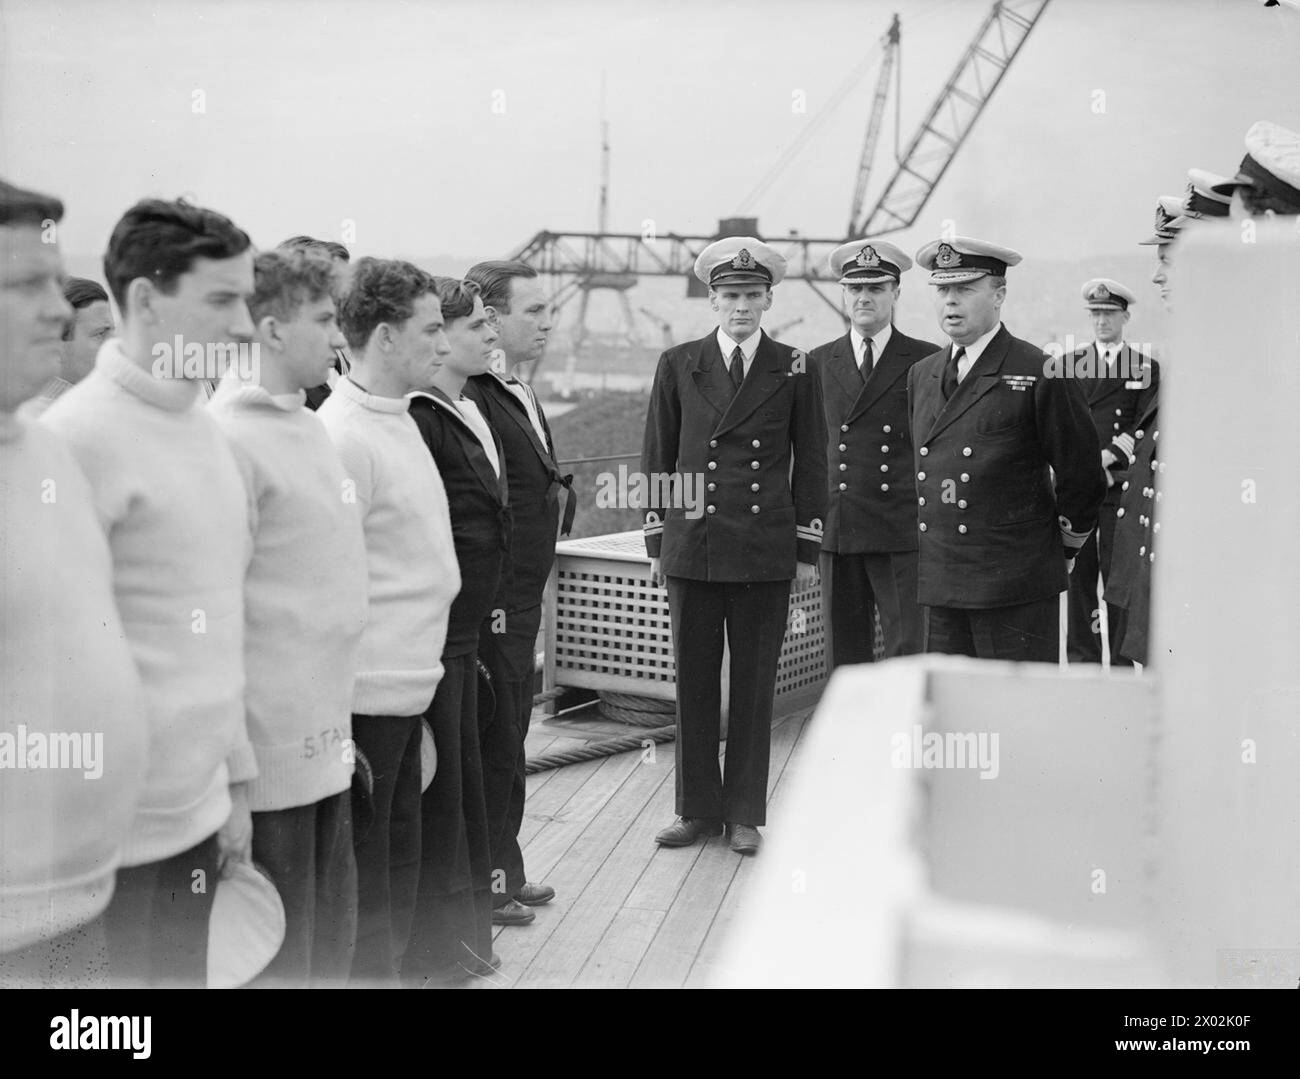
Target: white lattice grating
612, 629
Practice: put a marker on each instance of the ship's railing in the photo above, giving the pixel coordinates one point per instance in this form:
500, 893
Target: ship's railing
604, 457
545, 639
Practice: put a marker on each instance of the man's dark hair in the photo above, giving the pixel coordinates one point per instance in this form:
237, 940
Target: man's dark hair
310, 243
494, 281
161, 240
1257, 203
20, 207
286, 279
456, 297
81, 292
380, 290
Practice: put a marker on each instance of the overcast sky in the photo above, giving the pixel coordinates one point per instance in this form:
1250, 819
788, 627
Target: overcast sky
464, 128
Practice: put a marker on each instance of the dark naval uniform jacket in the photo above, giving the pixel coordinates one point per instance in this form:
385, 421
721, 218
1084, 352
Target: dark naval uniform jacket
478, 500
993, 529
534, 490
757, 516
1129, 585
1116, 401
871, 505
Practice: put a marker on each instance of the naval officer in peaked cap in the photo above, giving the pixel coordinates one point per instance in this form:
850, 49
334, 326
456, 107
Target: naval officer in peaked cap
869, 547
1119, 381
1205, 197
997, 537
731, 410
1268, 181
1128, 588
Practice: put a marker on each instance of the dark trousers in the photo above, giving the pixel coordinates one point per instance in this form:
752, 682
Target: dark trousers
77, 959
388, 854
453, 909
1083, 639
1025, 631
1134, 642
509, 656
852, 584
157, 923
307, 852
753, 617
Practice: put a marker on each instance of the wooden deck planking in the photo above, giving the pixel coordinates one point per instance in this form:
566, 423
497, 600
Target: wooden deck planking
552, 796
554, 839
596, 873
668, 960
626, 911
572, 871
618, 953
614, 958
672, 953
707, 960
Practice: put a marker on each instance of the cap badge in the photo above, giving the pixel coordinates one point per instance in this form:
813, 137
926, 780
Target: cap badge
743, 260
946, 258
868, 257
1099, 292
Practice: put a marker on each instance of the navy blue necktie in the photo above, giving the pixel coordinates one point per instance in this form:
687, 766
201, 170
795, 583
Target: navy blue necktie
737, 368
949, 384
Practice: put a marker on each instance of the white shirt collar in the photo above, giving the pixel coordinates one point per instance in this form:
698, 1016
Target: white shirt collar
1108, 352
748, 347
878, 342
522, 392
976, 349
474, 418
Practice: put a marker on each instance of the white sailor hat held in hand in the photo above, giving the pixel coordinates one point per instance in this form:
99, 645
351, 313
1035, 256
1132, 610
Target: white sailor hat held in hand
246, 927
1169, 221
739, 260
1271, 165
961, 259
861, 261
1103, 294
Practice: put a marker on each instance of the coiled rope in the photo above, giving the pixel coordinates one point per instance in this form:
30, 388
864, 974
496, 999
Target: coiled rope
654, 718
608, 747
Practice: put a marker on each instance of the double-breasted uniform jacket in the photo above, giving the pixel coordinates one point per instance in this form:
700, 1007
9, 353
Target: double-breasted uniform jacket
993, 530
1117, 400
1129, 585
757, 515
480, 517
534, 483
871, 498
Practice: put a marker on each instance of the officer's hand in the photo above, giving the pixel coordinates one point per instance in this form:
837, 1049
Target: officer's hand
805, 575
1110, 477
1107, 458
1126, 443
1069, 566
656, 574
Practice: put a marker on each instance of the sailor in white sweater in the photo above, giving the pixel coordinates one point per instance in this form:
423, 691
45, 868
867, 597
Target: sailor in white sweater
72, 724
304, 608
393, 324
169, 497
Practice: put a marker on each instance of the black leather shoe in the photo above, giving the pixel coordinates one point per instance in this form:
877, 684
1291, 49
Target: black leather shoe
745, 839
512, 913
534, 895
686, 831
